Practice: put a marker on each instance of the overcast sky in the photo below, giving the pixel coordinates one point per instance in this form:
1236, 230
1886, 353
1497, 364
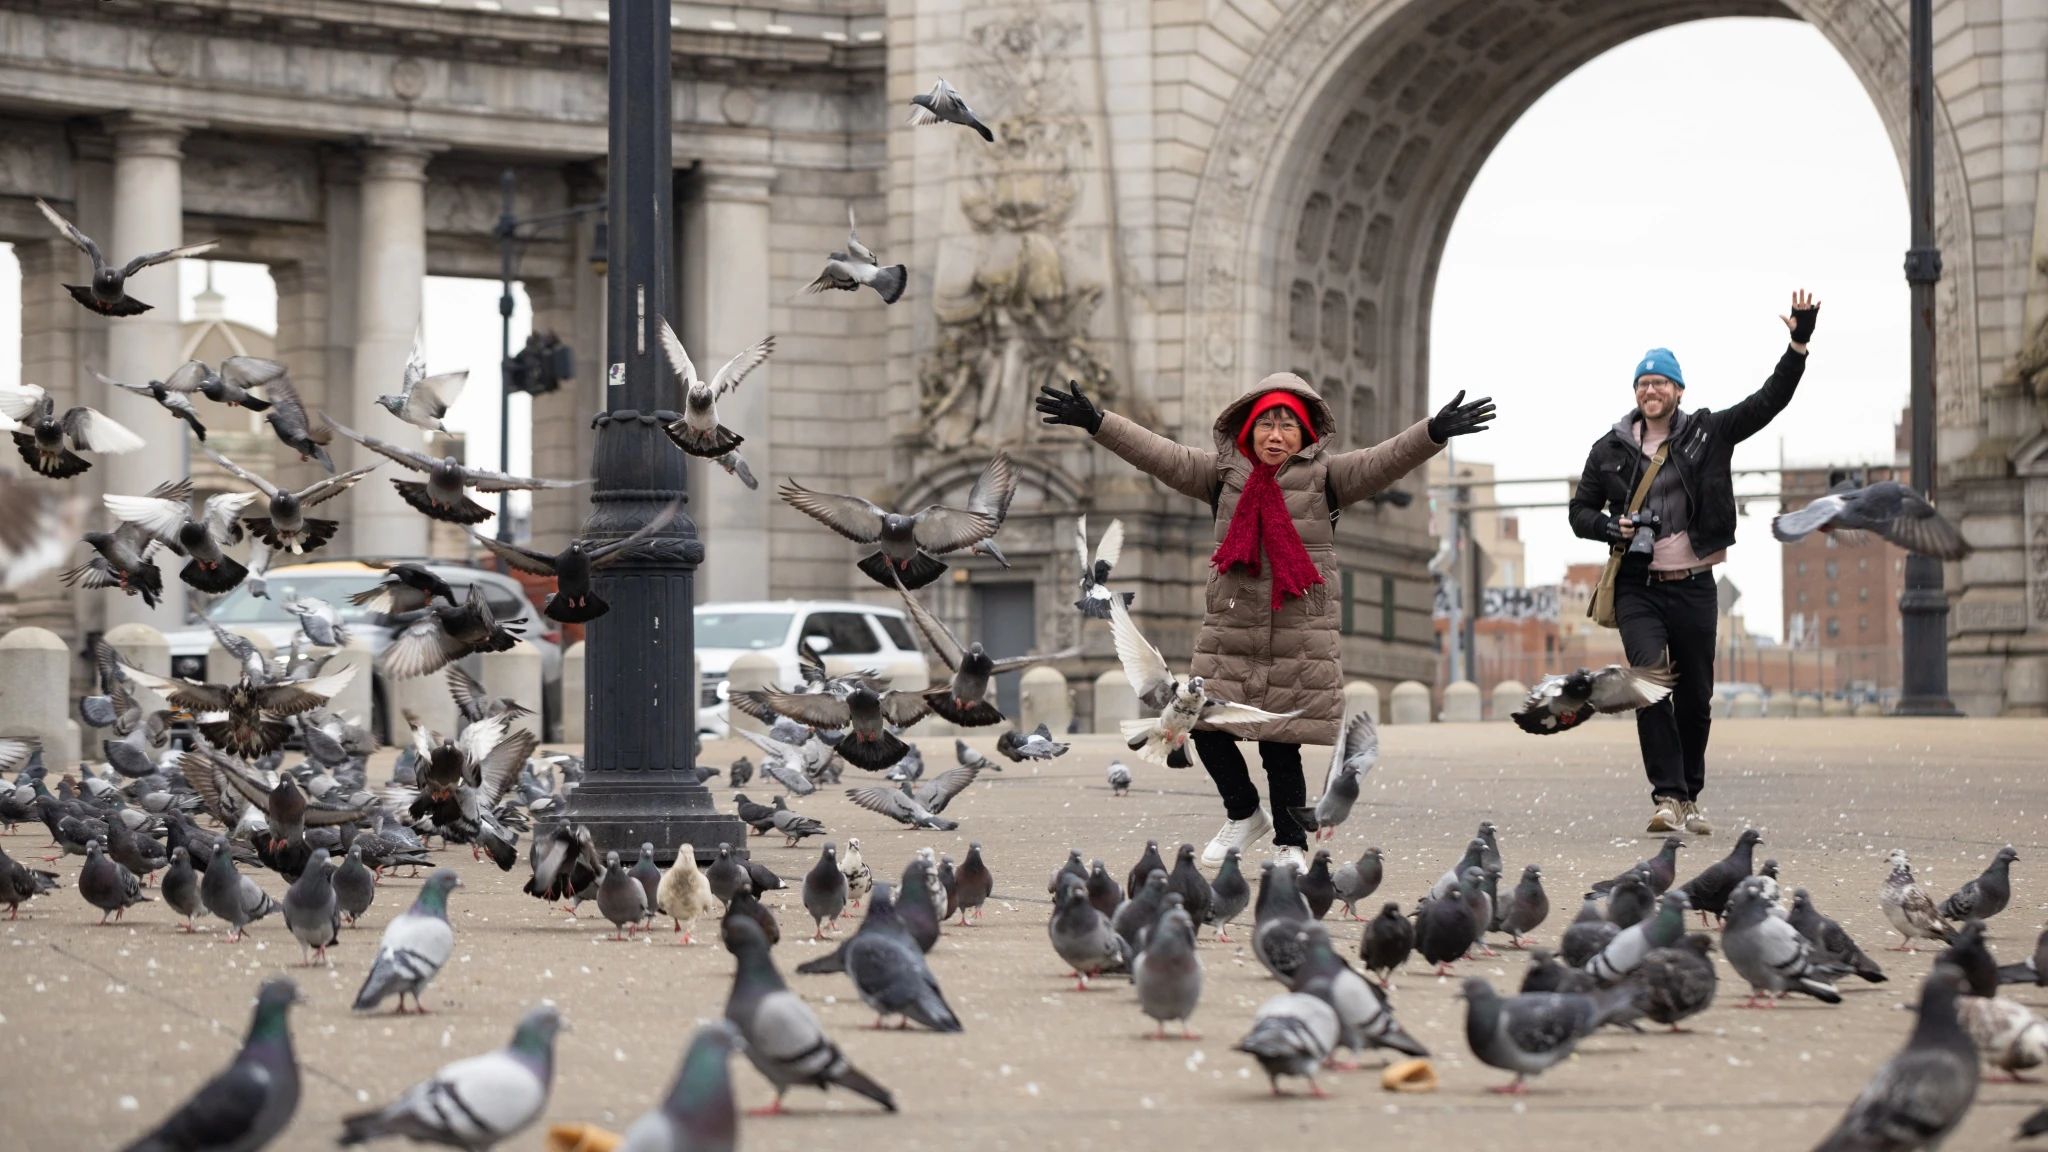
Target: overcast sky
1672, 192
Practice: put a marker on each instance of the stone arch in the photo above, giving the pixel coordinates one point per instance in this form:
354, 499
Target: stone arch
1378, 114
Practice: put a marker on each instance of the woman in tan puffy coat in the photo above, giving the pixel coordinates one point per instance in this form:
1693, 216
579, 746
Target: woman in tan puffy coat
1269, 632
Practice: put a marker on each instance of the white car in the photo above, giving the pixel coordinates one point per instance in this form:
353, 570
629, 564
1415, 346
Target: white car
848, 635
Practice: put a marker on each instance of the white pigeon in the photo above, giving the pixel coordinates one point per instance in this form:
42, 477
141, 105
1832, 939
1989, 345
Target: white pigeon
422, 400
1095, 593
416, 944
698, 432
1179, 703
319, 620
475, 1103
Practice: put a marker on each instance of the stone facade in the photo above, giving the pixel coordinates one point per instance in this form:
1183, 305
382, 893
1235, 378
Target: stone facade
1183, 196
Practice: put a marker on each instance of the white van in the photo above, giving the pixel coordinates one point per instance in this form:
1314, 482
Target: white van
848, 635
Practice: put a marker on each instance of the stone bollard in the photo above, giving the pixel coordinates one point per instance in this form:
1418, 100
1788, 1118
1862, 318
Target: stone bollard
356, 700
1114, 701
749, 671
221, 665
574, 693
1461, 703
516, 674
1835, 706
1805, 704
1746, 706
1042, 699
145, 648
1409, 703
1362, 696
1869, 708
35, 693
427, 698
1507, 698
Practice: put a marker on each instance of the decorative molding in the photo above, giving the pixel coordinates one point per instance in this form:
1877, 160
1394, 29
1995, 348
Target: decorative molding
267, 181
408, 78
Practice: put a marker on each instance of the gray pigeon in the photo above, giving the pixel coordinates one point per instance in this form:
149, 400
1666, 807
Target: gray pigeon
1446, 928
1083, 936
1769, 952
1987, 895
943, 105
1358, 880
1364, 1018
1475, 854
1105, 893
973, 884
416, 944
19, 884
1169, 974
1679, 981
1920, 1095
1662, 868
232, 897
1292, 1034
698, 1114
620, 898
180, 887
825, 891
1831, 943
108, 292
783, 1039
108, 886
1150, 860
1119, 776
1140, 911
1231, 891
311, 911
1351, 760
1073, 867
1528, 1033
1036, 744
1280, 911
724, 874
1195, 893
249, 1102
917, 905
648, 874
1527, 908
1316, 885
794, 827
1709, 891
740, 773
900, 805
1630, 900
475, 1103
889, 971
355, 886
1888, 508
1624, 954
1388, 941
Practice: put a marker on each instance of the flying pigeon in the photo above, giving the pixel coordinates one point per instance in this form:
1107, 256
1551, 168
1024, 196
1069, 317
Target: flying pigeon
858, 265
253, 723
123, 561
435, 637
572, 569
166, 513
416, 944
991, 495
422, 400
49, 443
1178, 704
869, 717
444, 496
1095, 593
964, 699
474, 1103
295, 428
909, 546
1351, 760
287, 528
1560, 702
404, 588
232, 385
943, 105
247, 1104
108, 292
698, 432
1888, 508
177, 403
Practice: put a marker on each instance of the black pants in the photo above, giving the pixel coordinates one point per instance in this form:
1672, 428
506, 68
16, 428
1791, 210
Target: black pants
1675, 617
1284, 781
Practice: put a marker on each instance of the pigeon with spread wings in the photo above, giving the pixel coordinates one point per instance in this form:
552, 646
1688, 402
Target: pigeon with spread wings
171, 400
698, 432
231, 384
443, 496
253, 723
572, 601
869, 714
990, 497
1560, 702
846, 271
964, 699
1180, 704
909, 545
123, 562
433, 637
423, 400
50, 443
1095, 593
166, 513
404, 588
288, 528
943, 104
108, 292
1888, 508
461, 781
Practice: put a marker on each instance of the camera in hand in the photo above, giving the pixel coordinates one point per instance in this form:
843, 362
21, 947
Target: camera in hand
1645, 540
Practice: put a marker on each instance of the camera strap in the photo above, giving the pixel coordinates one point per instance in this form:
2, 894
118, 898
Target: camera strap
1642, 492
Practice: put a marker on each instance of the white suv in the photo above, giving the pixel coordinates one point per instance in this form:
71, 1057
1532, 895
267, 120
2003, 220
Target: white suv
848, 635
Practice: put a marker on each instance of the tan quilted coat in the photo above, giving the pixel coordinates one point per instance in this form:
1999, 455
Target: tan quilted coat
1285, 660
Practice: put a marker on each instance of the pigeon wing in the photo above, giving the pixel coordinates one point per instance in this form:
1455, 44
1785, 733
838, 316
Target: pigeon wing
1112, 546
994, 488
1619, 688
940, 790
678, 357
816, 709
942, 639
858, 250
614, 550
501, 766
852, 517
69, 231
161, 513
1796, 525
246, 372
904, 708
736, 369
94, 432
423, 647
149, 259
242, 474
1919, 528
328, 487
1228, 712
295, 696
528, 560
484, 480
940, 529
412, 458
889, 802
191, 695
1144, 667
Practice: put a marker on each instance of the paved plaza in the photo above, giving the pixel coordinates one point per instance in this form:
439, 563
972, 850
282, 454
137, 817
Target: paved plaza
103, 1030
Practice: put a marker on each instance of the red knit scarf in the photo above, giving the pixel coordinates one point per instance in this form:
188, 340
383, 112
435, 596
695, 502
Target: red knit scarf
1261, 523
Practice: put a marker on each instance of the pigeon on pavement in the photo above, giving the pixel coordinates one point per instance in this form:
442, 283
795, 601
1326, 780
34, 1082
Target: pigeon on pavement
1388, 941
973, 885
824, 891
1083, 937
1317, 886
416, 944
1036, 744
1662, 868
1358, 880
620, 898
943, 104
1278, 912
684, 893
1446, 927
1920, 1094
1231, 893
19, 884
1909, 908
1168, 974
889, 971
1527, 1033
1587, 935
108, 886
1291, 1035
698, 1114
1558, 703
475, 1103
1356, 752
1769, 952
1119, 776
1831, 943
1630, 901
355, 885
1177, 705
1364, 1018
1888, 508
1624, 954
783, 1039
311, 910
1527, 908
1987, 895
108, 292
247, 1104
1678, 981
232, 897
1709, 891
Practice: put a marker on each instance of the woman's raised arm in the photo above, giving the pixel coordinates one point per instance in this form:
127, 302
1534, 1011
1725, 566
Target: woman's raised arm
1189, 471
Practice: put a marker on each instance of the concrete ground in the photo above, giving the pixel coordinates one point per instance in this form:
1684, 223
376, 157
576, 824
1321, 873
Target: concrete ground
102, 1030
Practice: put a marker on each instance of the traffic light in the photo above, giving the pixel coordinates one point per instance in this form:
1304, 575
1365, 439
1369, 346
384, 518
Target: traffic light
542, 366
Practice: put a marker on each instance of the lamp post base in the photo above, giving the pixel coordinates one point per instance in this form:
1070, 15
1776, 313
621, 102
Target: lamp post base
657, 809
1923, 626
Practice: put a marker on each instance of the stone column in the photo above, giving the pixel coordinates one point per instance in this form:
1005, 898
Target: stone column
148, 203
390, 277
724, 305
51, 329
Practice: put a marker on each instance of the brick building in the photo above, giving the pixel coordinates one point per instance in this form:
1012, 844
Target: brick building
1841, 598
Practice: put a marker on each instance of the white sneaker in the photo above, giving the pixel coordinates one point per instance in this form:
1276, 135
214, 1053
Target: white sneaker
1236, 834
1289, 854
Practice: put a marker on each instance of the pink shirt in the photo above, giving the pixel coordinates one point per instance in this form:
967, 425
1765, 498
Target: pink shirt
1673, 550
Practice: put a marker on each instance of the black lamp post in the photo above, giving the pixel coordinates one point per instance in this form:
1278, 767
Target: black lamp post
639, 783
1923, 606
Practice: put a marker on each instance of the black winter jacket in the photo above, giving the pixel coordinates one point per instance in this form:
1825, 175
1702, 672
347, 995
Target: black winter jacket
1702, 444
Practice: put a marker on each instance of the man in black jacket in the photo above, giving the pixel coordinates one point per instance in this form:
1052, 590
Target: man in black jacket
1664, 596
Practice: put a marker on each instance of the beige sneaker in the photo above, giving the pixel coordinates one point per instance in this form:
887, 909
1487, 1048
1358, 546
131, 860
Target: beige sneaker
1695, 820
1667, 816
1238, 834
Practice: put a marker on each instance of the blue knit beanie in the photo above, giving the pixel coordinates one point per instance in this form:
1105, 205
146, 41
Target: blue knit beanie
1658, 362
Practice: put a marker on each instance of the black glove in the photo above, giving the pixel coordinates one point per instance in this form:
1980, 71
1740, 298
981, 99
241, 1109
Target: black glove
1802, 323
1458, 418
1069, 407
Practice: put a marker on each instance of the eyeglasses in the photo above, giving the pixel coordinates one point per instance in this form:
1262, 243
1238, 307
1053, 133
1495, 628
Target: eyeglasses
1657, 383
1268, 423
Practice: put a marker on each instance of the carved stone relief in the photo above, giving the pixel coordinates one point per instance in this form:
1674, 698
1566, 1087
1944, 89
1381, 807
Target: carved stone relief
35, 160
467, 198
266, 181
